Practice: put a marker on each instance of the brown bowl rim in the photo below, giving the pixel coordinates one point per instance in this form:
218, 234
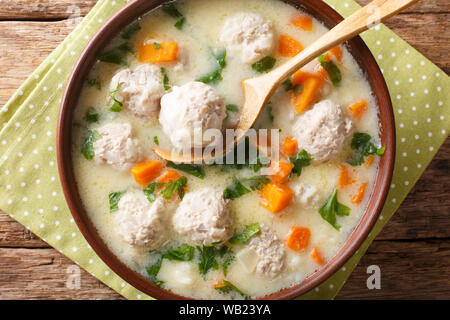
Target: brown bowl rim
110, 29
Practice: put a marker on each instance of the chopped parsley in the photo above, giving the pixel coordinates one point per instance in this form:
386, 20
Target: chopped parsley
116, 55
91, 116
130, 31
114, 199
192, 169
216, 75
117, 105
264, 65
165, 79
298, 88
237, 189
228, 287
332, 69
153, 271
183, 253
288, 85
95, 82
363, 146
172, 187
156, 46
208, 259
87, 148
171, 10
300, 161
232, 107
156, 140
246, 234
332, 208
151, 189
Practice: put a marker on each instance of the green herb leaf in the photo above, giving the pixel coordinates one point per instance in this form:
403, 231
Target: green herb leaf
156, 140
332, 69
235, 190
257, 182
171, 10
180, 23
88, 144
117, 105
130, 31
288, 85
183, 253
298, 88
91, 116
192, 169
151, 189
264, 65
228, 258
153, 271
114, 199
232, 107
300, 161
216, 75
165, 79
208, 259
174, 186
332, 208
95, 83
228, 287
246, 235
363, 146
156, 46
116, 55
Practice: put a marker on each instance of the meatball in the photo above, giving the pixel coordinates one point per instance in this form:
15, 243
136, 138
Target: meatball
193, 107
140, 90
203, 217
248, 35
270, 251
117, 147
322, 130
139, 222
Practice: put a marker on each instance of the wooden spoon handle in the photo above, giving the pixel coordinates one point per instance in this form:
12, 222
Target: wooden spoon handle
375, 12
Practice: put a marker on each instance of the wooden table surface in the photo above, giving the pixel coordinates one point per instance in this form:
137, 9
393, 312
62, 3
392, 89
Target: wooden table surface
413, 250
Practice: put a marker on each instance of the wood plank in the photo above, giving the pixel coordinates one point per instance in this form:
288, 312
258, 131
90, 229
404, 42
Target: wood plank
44, 9
35, 40
42, 274
409, 270
62, 9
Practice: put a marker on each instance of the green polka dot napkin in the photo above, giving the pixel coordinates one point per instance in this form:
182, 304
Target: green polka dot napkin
31, 192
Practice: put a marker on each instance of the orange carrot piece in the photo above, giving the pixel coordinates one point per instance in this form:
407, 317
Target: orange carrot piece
276, 197
370, 160
158, 52
299, 238
288, 46
360, 194
290, 147
337, 52
344, 177
358, 108
146, 172
170, 175
312, 84
219, 284
280, 171
317, 257
304, 22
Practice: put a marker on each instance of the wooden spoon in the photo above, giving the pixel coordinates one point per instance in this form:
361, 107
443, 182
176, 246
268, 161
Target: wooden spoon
257, 91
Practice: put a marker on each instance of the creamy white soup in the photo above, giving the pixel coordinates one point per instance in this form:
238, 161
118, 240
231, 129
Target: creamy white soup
224, 231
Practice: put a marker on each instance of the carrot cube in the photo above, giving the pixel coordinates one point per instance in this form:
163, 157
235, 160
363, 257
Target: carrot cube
317, 257
290, 147
146, 172
158, 52
311, 88
299, 238
288, 46
360, 194
280, 171
358, 108
304, 22
276, 197
344, 177
170, 175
